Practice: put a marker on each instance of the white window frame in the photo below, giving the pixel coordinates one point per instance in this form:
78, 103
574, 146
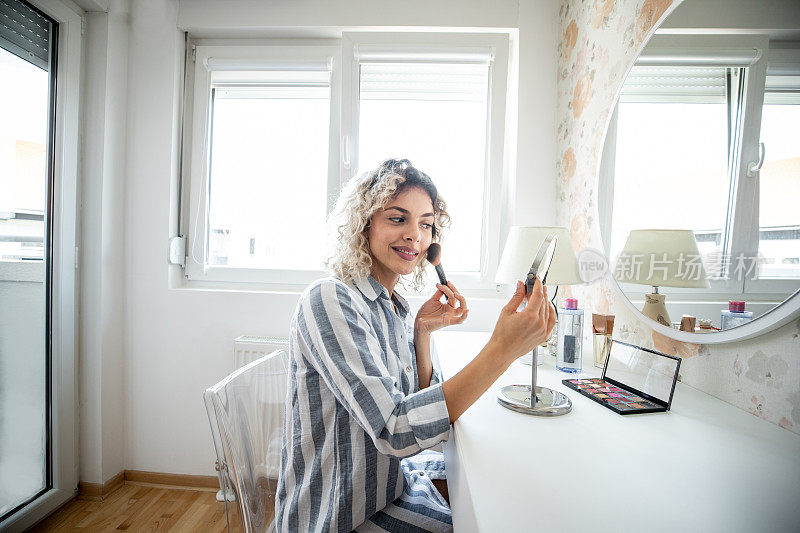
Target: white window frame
268, 56
343, 140
781, 61
64, 265
433, 47
743, 230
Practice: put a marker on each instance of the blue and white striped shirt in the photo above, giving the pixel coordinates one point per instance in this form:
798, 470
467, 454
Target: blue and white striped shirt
353, 407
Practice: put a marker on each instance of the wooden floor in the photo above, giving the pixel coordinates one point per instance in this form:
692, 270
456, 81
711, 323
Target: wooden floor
142, 507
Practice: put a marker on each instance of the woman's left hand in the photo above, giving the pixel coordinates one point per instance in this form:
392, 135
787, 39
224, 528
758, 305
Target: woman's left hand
435, 315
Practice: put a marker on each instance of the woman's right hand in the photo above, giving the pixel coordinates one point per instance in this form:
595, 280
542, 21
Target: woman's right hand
519, 332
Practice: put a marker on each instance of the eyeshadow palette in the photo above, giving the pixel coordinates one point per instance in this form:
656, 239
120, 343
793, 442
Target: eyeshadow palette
635, 380
615, 398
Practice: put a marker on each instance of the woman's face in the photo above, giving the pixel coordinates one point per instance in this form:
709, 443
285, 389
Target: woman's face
399, 235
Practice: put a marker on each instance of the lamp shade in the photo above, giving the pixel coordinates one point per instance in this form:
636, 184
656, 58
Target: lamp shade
662, 258
521, 246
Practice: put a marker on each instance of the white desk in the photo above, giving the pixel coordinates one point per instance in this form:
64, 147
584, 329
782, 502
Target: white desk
703, 466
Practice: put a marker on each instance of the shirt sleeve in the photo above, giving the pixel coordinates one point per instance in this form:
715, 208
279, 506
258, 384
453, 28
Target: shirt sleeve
341, 346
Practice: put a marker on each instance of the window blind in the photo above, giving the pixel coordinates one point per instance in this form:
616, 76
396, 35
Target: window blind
665, 84
424, 81
25, 32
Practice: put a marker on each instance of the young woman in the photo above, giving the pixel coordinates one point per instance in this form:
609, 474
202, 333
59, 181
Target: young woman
364, 403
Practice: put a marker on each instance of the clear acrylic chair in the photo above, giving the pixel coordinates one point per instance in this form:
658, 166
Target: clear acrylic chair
245, 411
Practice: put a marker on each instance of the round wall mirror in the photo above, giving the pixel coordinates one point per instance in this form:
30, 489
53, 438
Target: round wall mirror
699, 182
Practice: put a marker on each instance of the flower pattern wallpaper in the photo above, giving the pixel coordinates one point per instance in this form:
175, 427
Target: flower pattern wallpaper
599, 40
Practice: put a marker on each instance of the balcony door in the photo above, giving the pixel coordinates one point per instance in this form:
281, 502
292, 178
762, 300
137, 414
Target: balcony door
38, 152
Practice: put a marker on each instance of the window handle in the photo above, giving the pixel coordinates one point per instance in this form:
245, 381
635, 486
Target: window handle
346, 152
755, 166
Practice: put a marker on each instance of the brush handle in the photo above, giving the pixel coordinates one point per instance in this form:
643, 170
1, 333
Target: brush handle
442, 279
440, 273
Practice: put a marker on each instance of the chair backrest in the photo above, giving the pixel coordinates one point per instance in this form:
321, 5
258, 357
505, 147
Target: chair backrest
245, 411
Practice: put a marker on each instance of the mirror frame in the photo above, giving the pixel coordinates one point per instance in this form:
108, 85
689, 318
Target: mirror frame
782, 314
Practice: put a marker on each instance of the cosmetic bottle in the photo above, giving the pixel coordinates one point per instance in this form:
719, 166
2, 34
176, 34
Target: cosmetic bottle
602, 327
570, 335
688, 323
735, 315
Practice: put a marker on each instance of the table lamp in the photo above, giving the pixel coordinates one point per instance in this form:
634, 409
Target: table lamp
661, 258
521, 245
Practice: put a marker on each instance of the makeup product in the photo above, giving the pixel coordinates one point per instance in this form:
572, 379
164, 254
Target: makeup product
434, 258
688, 323
602, 327
735, 315
705, 325
635, 380
570, 336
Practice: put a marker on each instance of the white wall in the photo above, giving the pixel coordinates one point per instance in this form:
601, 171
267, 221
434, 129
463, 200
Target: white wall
102, 269
536, 151
732, 14
210, 16
178, 341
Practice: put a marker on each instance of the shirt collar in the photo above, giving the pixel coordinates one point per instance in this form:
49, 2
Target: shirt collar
372, 289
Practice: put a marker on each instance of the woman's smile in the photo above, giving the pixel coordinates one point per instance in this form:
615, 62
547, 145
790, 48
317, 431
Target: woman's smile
408, 254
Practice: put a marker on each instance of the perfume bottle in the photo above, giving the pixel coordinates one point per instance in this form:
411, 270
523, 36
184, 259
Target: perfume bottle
570, 336
602, 327
735, 315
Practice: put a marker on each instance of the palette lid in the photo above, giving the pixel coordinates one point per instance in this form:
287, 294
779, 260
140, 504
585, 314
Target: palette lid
648, 372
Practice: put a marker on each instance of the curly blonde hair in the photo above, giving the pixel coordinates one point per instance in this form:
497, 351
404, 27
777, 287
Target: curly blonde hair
360, 198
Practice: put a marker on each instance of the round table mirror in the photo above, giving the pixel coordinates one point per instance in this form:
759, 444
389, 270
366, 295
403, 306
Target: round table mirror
699, 183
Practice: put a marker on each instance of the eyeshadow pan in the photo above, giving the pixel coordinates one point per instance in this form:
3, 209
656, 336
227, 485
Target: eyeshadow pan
617, 398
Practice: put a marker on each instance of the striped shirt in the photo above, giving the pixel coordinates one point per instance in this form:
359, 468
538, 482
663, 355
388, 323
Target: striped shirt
353, 407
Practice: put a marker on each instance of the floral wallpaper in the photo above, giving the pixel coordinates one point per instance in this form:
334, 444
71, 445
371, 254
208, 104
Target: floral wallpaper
599, 41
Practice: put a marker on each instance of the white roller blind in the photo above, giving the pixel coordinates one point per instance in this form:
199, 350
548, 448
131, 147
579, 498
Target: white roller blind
698, 57
687, 84
235, 64
424, 81
366, 53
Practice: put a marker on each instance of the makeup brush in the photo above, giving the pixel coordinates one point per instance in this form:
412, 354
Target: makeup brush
435, 258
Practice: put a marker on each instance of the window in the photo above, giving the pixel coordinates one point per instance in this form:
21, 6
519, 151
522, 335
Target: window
438, 100
693, 116
40, 69
27, 70
276, 130
261, 169
779, 178
697, 179
25, 108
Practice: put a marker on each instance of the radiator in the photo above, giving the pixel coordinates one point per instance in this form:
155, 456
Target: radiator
248, 348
